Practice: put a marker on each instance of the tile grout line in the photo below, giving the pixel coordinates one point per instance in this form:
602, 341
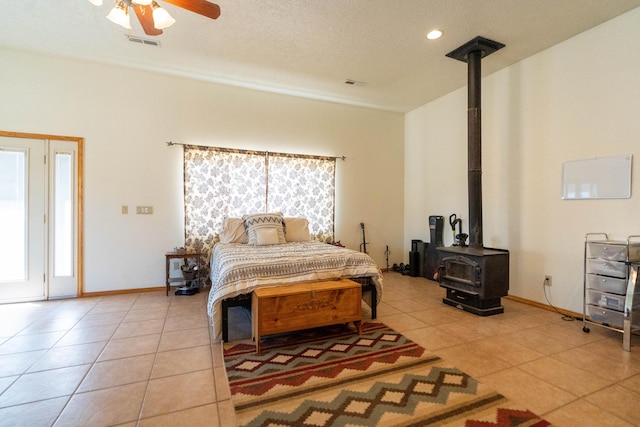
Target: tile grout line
25, 372
166, 317
84, 377
155, 356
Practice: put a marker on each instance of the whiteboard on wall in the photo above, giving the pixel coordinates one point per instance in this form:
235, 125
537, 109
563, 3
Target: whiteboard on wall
598, 178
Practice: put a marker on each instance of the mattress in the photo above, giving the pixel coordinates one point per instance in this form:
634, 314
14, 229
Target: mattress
238, 269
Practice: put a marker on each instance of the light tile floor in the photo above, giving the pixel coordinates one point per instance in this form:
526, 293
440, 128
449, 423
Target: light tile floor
135, 359
147, 359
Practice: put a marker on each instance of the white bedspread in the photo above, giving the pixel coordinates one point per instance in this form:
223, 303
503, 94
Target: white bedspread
239, 268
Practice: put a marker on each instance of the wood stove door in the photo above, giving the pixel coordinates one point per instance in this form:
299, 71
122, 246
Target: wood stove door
460, 269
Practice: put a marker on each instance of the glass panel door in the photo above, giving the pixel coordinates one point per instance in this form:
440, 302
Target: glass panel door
22, 219
63, 219
13, 205
63, 215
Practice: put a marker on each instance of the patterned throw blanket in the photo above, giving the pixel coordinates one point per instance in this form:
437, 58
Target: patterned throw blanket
239, 268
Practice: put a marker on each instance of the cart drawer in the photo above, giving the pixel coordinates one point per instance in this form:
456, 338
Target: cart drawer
614, 251
612, 301
603, 315
607, 284
607, 268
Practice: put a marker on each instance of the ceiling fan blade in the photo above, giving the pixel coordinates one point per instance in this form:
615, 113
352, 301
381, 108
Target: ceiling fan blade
201, 7
145, 16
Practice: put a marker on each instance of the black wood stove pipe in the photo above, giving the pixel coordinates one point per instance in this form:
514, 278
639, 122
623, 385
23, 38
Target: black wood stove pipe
474, 148
472, 53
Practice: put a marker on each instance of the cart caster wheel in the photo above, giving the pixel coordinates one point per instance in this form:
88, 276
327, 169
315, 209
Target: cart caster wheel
585, 329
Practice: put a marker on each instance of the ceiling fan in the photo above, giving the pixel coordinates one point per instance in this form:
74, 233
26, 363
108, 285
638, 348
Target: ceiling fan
154, 18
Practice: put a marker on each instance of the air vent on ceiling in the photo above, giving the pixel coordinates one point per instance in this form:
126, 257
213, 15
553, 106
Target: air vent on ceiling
354, 82
143, 41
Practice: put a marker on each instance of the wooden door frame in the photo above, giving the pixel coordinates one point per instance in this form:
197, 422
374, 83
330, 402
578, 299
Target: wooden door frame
80, 178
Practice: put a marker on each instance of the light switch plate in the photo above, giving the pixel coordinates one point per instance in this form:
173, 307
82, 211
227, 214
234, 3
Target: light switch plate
144, 210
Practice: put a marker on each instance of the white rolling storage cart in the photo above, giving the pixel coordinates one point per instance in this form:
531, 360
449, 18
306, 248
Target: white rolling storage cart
611, 297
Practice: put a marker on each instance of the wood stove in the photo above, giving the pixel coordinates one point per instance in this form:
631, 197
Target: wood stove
475, 277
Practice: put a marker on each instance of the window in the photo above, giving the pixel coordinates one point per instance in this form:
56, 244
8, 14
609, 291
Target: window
221, 183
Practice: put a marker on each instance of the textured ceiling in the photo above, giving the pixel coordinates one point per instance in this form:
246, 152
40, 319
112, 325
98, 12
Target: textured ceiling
310, 47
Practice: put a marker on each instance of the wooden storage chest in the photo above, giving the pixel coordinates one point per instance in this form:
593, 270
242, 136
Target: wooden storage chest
289, 308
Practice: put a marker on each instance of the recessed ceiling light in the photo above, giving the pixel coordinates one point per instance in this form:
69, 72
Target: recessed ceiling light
435, 34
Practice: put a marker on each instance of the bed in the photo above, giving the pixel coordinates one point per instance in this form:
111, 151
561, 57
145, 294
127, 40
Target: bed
237, 268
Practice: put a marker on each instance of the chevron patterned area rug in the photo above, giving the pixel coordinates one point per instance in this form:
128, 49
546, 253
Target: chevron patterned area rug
334, 377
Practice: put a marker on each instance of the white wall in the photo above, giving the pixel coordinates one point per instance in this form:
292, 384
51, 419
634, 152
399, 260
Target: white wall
126, 116
576, 100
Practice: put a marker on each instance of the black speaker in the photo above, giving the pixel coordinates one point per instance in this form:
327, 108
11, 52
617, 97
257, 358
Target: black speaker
414, 263
422, 250
436, 228
432, 258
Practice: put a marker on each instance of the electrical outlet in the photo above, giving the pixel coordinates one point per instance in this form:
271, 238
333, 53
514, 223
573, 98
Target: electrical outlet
176, 265
547, 280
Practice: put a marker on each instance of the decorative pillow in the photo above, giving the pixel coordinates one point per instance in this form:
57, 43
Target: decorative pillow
233, 231
262, 221
296, 230
267, 236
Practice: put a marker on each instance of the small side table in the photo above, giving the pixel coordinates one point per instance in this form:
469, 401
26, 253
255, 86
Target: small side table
185, 256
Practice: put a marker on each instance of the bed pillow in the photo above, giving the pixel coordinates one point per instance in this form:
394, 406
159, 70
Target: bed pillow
267, 236
233, 231
255, 222
296, 230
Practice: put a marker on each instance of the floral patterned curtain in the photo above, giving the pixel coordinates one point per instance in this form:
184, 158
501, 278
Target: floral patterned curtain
303, 186
220, 183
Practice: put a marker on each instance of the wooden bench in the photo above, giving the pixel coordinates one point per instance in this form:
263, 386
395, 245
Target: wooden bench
289, 308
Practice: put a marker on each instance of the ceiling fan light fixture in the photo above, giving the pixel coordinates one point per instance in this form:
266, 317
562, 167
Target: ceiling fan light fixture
120, 15
151, 16
161, 18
